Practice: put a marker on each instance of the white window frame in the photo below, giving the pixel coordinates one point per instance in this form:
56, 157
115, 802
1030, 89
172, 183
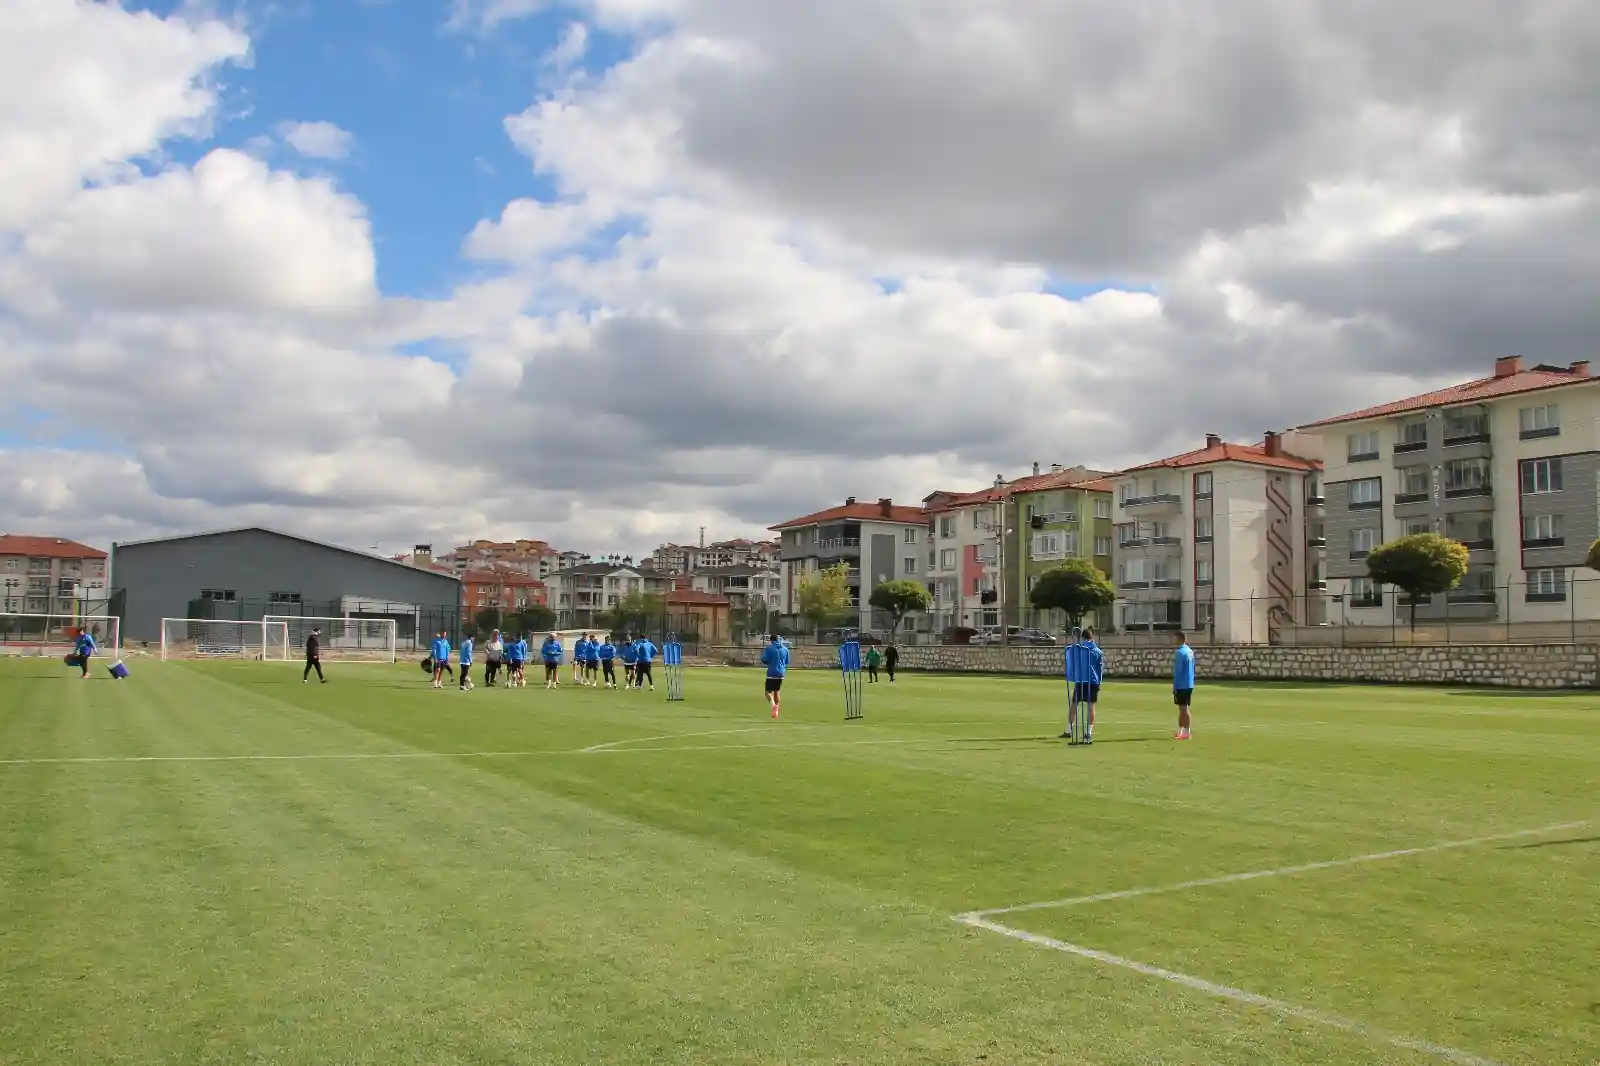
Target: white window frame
909, 564
947, 559
1403, 433
1360, 534
911, 536
1543, 421
1204, 573
947, 526
1375, 495
1102, 546
1364, 594
1481, 467
1205, 528
1542, 527
1363, 454
1551, 481
1102, 507
1546, 581
1204, 484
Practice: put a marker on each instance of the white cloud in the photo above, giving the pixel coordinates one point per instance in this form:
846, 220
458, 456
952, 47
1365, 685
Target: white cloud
87, 87
318, 140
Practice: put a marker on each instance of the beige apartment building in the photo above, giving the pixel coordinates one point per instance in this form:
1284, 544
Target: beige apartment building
51, 575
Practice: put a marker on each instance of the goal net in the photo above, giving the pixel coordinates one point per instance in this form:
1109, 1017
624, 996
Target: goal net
50, 635
212, 638
348, 640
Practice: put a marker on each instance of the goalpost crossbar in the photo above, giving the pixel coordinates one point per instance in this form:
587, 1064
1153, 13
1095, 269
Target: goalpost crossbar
344, 640
213, 638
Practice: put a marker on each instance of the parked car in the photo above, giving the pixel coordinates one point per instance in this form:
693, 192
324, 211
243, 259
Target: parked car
1014, 635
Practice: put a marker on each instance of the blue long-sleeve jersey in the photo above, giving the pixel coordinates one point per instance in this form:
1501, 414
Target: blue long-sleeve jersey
441, 650
1183, 667
775, 657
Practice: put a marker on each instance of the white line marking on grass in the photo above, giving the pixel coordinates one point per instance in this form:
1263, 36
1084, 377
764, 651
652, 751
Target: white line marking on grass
615, 745
349, 756
1281, 871
1237, 995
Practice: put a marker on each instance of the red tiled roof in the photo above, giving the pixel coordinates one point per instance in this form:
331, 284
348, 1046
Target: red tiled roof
1254, 454
1056, 479
693, 596
46, 547
1097, 485
500, 577
1490, 388
860, 512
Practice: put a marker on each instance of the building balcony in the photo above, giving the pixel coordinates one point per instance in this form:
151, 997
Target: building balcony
1487, 545
1057, 518
1133, 585
839, 542
1155, 501
1469, 491
1315, 540
1401, 498
1315, 499
1539, 434
1545, 542
1134, 542
1466, 438
1409, 447
1317, 586
1040, 557
1166, 583
1166, 541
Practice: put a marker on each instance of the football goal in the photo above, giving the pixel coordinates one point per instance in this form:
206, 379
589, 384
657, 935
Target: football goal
214, 638
344, 640
57, 634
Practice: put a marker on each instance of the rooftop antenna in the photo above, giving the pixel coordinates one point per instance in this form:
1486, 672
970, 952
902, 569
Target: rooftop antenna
702, 536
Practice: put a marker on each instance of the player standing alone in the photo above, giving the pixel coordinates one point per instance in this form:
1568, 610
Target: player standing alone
84, 648
775, 657
313, 657
1183, 684
465, 661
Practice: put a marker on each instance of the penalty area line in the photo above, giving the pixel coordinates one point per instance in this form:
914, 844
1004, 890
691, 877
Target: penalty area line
1235, 995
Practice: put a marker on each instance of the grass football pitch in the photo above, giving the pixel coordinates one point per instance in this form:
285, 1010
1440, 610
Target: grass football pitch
211, 863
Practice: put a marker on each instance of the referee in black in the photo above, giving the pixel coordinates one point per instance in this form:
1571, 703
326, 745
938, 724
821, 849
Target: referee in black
313, 657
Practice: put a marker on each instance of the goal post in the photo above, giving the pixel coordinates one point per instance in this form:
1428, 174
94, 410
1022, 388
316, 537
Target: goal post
344, 640
213, 638
50, 635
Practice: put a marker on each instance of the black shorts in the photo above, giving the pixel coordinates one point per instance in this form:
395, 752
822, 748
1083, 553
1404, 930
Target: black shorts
643, 670
774, 684
1182, 696
1085, 692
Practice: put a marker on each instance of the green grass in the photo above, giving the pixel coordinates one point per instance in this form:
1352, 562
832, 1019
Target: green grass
782, 894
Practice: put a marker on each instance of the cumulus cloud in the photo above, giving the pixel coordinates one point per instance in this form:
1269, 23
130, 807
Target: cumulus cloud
803, 251
318, 140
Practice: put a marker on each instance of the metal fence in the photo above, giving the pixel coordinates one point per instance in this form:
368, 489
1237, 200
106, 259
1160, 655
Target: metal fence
415, 624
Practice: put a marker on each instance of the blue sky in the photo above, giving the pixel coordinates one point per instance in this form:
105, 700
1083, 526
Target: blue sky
426, 104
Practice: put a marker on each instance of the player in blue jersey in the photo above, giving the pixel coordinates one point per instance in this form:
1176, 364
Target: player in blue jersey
519, 654
644, 656
84, 648
608, 656
630, 660
1091, 665
550, 651
1183, 684
441, 658
775, 657
465, 661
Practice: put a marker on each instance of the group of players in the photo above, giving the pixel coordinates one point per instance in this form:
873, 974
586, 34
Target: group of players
506, 657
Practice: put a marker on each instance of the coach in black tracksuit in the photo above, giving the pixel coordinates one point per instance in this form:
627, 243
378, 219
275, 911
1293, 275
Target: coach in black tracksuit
313, 657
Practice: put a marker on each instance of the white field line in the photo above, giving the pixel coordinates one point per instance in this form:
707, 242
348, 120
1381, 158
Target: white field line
615, 745
347, 756
1236, 995
1281, 871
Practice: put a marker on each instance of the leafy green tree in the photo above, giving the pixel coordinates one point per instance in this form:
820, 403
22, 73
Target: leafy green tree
486, 620
635, 612
1593, 561
899, 598
533, 619
824, 595
1420, 564
1076, 587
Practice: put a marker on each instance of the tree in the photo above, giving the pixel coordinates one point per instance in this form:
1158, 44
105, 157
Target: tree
486, 620
824, 595
898, 599
634, 612
533, 618
1421, 564
1076, 587
1593, 561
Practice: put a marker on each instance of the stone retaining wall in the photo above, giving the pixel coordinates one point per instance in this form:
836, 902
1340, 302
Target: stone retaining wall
1498, 665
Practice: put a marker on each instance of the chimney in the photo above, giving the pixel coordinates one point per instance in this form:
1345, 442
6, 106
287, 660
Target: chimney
999, 481
849, 501
1035, 469
1055, 468
1508, 365
1213, 441
1273, 445
886, 506
422, 554
1580, 368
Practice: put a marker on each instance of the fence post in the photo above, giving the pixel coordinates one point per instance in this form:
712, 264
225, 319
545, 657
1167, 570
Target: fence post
1572, 610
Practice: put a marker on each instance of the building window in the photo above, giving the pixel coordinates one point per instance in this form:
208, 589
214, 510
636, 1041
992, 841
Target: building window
947, 527
36, 606
219, 595
1412, 526
1535, 422
1466, 477
1542, 531
1202, 529
1413, 436
1049, 546
1202, 615
1364, 593
1102, 545
277, 598
13, 565
1466, 426
1368, 492
1363, 447
910, 536
1541, 475
933, 558
1547, 586
1362, 541
1102, 507
1202, 486
1202, 572
947, 559
910, 564
1414, 484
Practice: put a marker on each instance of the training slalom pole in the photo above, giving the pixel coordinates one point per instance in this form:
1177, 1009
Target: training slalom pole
672, 659
850, 669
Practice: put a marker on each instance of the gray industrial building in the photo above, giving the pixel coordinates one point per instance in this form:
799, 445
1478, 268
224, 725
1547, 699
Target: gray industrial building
244, 574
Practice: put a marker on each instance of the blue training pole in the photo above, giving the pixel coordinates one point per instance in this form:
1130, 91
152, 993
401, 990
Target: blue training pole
672, 658
850, 670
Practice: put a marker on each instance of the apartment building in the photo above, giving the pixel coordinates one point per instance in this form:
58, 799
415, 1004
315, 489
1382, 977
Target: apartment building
1056, 517
1219, 541
536, 558
691, 558
880, 541
51, 575
743, 586
983, 546
581, 594
1509, 465
504, 587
